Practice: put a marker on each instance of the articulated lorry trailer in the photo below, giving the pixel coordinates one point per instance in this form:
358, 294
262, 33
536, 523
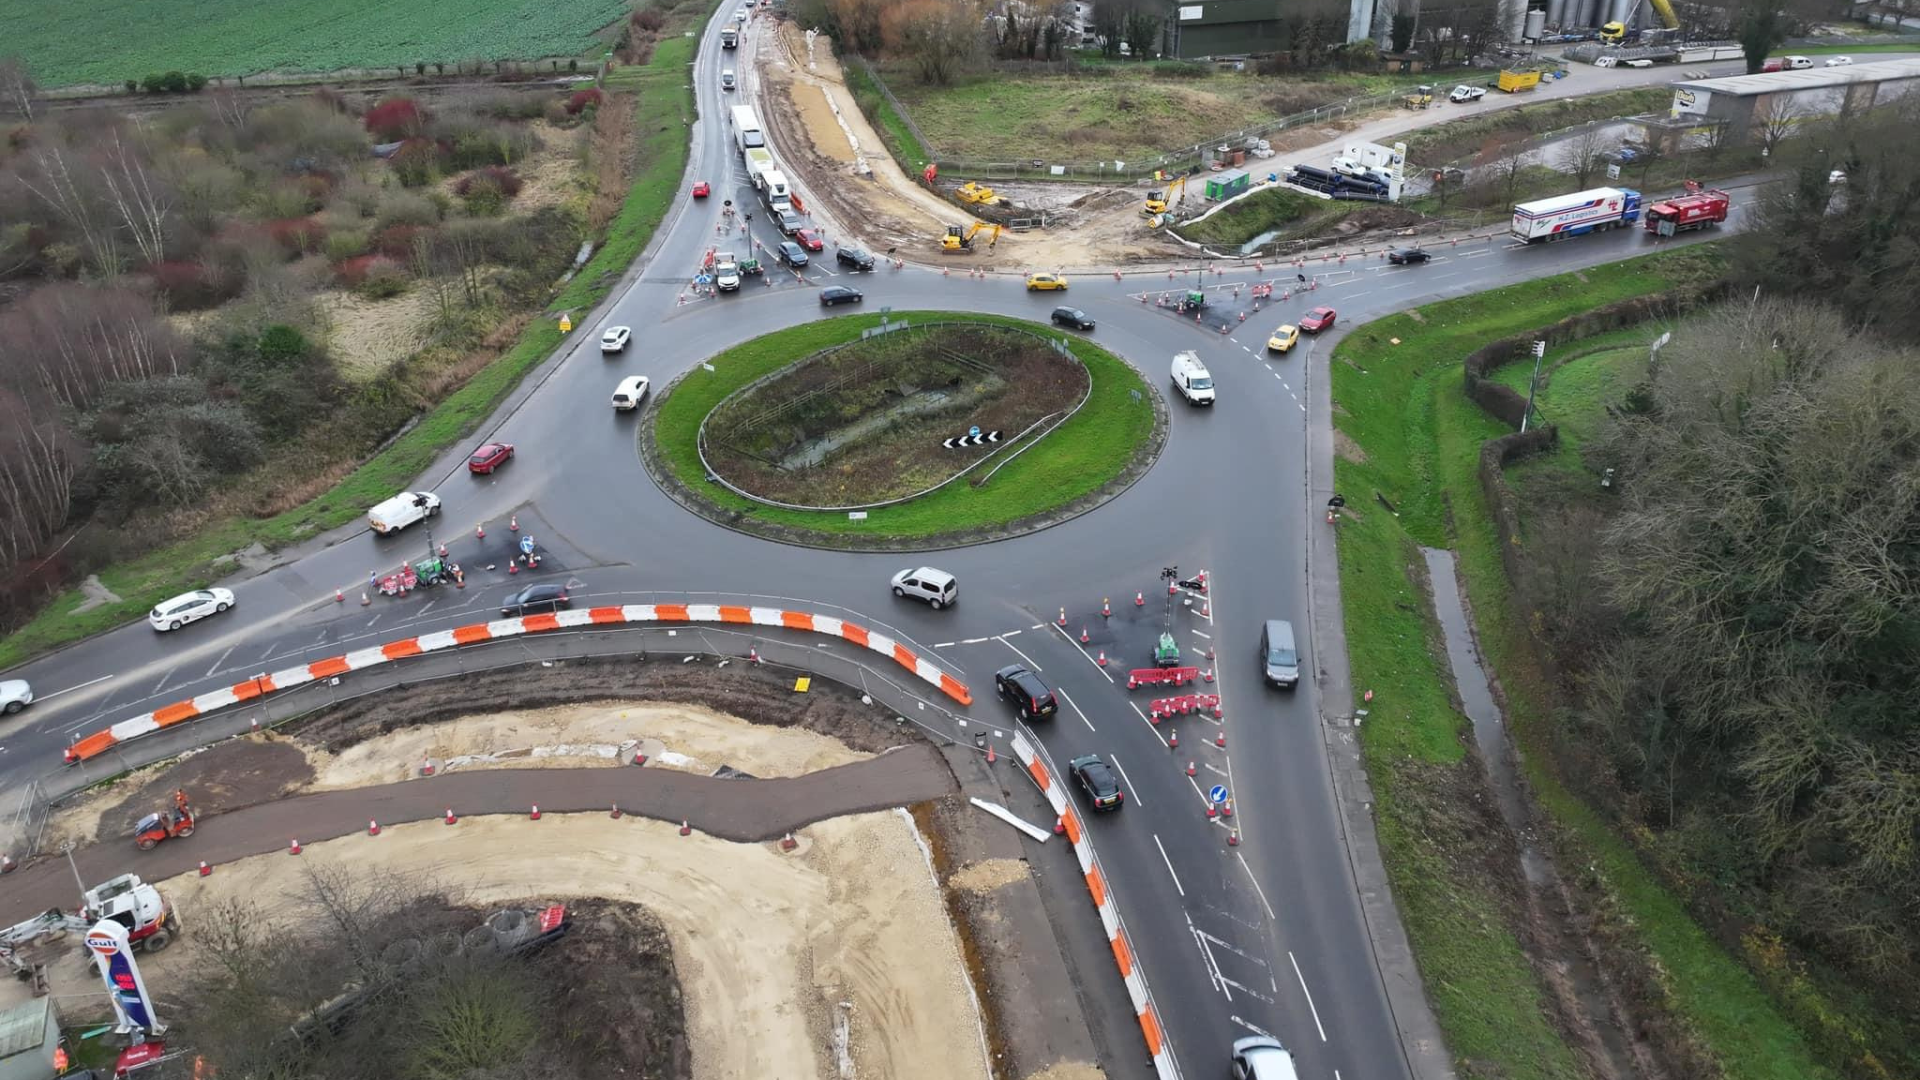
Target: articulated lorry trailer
1571, 215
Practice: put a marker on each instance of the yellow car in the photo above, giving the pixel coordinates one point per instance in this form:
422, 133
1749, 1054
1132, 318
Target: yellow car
1284, 339
1045, 282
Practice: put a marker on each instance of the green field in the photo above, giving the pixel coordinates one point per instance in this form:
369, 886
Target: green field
242, 37
1081, 457
1418, 438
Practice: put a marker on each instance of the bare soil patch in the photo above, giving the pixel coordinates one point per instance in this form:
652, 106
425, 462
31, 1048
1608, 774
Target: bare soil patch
865, 422
231, 775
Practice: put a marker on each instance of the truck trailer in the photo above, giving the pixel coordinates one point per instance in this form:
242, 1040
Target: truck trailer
746, 128
759, 160
1694, 210
730, 36
1572, 215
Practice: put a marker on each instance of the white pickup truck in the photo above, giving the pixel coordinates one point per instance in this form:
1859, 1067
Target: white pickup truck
403, 510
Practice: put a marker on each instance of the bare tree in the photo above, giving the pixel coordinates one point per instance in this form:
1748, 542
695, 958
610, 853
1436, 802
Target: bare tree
142, 204
1586, 154
1775, 118
69, 340
39, 460
65, 187
16, 86
939, 36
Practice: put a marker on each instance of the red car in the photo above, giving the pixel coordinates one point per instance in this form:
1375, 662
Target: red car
1317, 320
701, 190
809, 239
489, 457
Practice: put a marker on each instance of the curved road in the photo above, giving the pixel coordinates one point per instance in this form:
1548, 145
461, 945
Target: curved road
1267, 936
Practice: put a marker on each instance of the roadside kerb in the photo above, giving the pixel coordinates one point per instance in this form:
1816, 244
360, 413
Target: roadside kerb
1041, 771
360, 659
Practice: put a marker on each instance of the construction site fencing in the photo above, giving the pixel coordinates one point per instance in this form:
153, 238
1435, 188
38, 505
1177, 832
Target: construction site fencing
793, 653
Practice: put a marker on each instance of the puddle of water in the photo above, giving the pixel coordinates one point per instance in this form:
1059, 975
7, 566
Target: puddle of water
1476, 699
1259, 242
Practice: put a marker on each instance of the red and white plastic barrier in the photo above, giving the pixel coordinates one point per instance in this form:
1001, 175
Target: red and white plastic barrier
1117, 937
360, 659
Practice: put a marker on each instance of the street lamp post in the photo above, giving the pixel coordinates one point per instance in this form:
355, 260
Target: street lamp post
1539, 351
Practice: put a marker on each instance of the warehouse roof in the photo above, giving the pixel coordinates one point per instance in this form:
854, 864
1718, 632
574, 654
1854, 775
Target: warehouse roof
1815, 78
24, 1027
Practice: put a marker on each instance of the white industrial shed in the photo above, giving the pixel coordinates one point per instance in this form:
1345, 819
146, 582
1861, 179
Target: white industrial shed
1804, 95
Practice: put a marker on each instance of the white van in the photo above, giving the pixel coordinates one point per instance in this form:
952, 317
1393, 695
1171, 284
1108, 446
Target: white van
936, 587
1191, 379
726, 79
403, 510
1798, 63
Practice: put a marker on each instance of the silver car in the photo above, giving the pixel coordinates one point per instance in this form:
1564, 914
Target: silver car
15, 695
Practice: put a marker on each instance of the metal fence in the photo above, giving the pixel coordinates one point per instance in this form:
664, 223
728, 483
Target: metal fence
1119, 172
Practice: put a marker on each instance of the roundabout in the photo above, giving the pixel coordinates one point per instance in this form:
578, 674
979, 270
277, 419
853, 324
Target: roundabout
903, 432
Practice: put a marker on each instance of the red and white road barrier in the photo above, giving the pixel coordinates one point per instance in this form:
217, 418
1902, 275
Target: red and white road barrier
500, 629
1117, 937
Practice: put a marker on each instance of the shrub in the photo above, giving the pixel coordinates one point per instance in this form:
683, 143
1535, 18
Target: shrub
509, 105
196, 82
383, 278
302, 236
405, 208
154, 83
503, 180
416, 162
353, 272
396, 118
341, 246
396, 241
19, 136
649, 19
584, 99
133, 86
192, 286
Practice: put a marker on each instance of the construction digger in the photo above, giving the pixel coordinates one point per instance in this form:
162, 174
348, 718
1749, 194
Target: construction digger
149, 920
974, 194
1158, 202
960, 239
1421, 97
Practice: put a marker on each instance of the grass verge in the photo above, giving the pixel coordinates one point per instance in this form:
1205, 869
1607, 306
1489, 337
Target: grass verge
1286, 214
664, 107
1415, 439
906, 147
1083, 457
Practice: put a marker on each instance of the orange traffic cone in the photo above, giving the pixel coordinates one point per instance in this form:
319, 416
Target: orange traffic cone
373, 827
205, 869
450, 819
294, 848
536, 812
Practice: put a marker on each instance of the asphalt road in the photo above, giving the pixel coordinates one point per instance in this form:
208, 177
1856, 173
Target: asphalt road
1266, 936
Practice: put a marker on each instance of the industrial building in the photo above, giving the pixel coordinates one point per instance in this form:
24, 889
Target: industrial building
1742, 101
1203, 28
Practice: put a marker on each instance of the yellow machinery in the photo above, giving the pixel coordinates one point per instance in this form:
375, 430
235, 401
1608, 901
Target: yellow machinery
959, 239
977, 195
1420, 98
1159, 201
1668, 17
1515, 81
1613, 33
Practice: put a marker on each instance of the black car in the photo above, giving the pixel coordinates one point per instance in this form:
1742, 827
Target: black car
1098, 781
839, 294
788, 222
793, 254
534, 599
1407, 256
1029, 695
854, 257
1072, 316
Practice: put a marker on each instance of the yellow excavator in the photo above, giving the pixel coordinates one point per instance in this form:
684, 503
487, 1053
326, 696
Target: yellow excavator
977, 194
1159, 201
961, 239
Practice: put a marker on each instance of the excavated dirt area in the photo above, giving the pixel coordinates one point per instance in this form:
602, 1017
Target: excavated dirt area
837, 958
895, 210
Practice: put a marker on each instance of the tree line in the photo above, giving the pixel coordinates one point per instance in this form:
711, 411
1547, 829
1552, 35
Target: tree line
1736, 619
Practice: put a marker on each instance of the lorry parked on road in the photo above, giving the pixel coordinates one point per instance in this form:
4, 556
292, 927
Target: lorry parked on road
1695, 210
772, 185
746, 128
403, 510
1594, 210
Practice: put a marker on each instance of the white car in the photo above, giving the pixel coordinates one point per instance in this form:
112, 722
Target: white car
15, 695
1347, 166
189, 607
1839, 61
631, 391
1639, 63
1465, 93
615, 339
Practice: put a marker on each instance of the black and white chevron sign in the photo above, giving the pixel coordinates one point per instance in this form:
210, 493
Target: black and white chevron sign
980, 439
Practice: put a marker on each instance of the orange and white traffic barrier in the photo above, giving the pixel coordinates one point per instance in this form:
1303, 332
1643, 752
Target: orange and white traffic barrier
1070, 825
500, 630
